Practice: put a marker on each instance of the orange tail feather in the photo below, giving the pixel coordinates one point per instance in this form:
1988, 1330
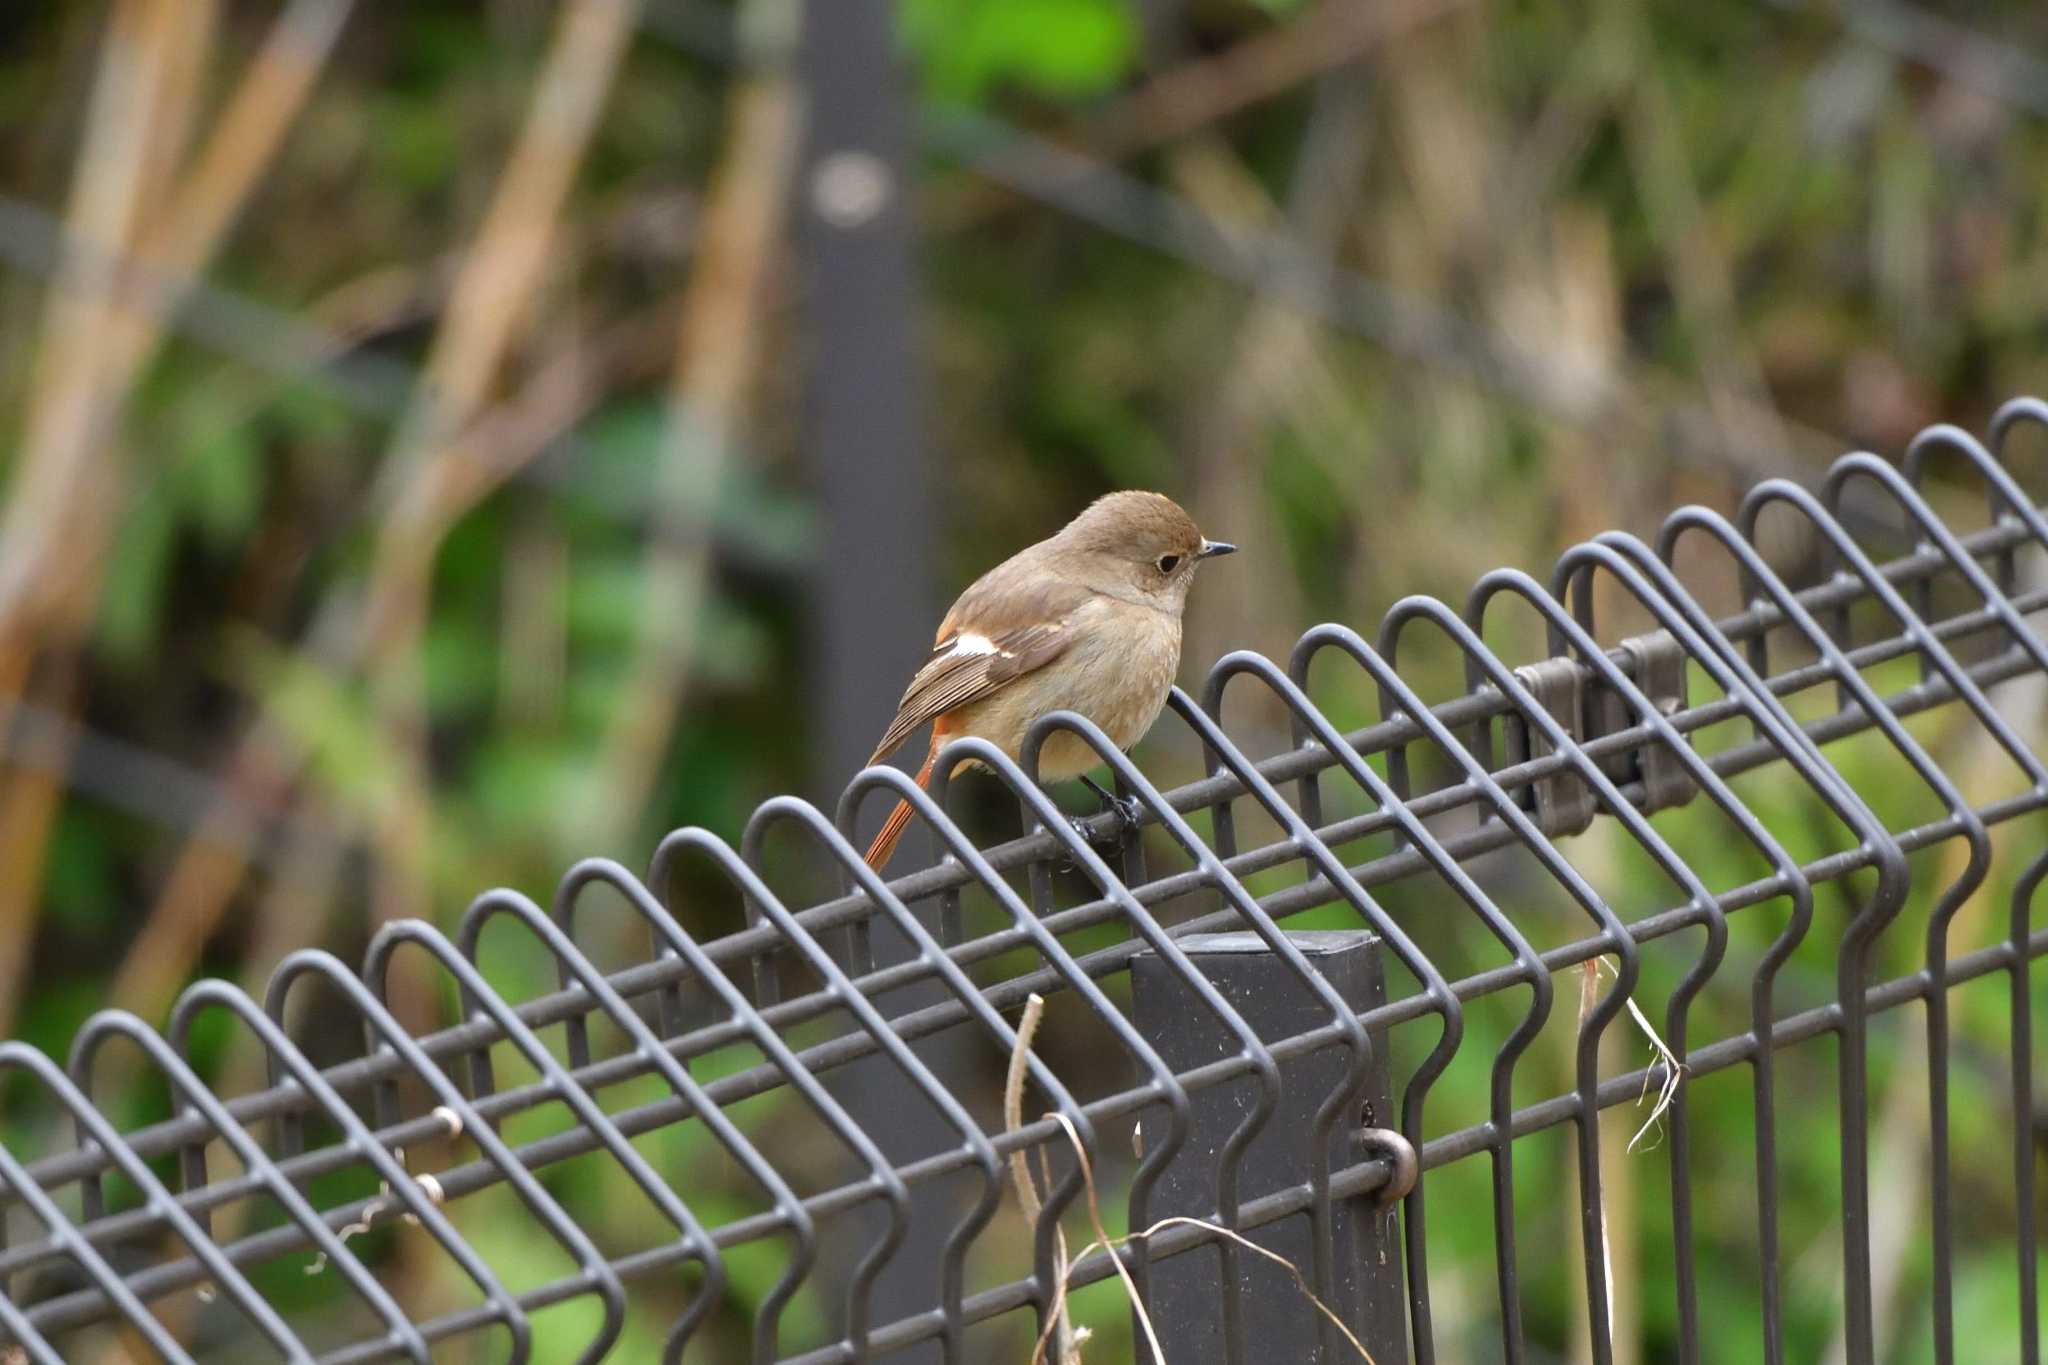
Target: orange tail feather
884, 846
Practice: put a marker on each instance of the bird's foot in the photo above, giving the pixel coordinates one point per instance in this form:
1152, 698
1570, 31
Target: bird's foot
1130, 817
1130, 812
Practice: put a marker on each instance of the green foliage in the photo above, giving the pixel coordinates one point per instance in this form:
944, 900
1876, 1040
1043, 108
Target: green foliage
1059, 48
205, 491
83, 889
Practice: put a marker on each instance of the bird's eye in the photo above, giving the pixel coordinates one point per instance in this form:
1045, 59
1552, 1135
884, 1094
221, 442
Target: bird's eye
1167, 563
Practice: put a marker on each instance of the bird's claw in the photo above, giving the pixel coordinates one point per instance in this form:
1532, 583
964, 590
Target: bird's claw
1129, 812
1115, 840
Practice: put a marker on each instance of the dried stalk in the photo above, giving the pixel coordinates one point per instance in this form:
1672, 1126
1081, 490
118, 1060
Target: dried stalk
1204, 91
490, 301
1702, 278
58, 517
718, 348
1104, 1242
28, 812
1618, 1181
98, 346
1059, 1329
267, 762
106, 204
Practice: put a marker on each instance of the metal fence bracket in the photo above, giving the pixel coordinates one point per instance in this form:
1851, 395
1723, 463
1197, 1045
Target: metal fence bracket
1560, 802
1656, 663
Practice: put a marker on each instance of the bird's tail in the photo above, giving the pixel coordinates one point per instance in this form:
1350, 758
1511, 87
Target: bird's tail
884, 846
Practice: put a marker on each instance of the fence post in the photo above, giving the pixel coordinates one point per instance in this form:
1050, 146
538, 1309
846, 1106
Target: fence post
1187, 1295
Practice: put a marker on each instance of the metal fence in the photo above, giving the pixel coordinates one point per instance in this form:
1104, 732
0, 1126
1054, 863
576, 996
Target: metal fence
1262, 1080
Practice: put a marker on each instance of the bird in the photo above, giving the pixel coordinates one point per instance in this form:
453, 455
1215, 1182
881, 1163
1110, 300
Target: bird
1087, 620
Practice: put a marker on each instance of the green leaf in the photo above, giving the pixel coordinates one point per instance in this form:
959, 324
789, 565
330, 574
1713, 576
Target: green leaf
220, 482
322, 713
615, 462
605, 594
138, 565
523, 782
82, 891
413, 147
461, 665
1062, 48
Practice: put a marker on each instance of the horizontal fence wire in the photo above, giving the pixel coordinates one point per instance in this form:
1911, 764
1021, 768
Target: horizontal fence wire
369, 1134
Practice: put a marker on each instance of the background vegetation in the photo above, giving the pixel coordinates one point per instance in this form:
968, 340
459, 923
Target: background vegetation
427, 506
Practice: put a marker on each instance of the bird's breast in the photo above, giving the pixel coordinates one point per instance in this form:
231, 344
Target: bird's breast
1117, 673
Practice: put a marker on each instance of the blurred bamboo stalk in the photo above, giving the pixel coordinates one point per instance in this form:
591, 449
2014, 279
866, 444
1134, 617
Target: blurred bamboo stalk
63, 503
490, 302
717, 359
449, 454
28, 813
1621, 1253
1203, 91
106, 205
1268, 369
1621, 1175
98, 346
1701, 275
72, 447
178, 99
216, 859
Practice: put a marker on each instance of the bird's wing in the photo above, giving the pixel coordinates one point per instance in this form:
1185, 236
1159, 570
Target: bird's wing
989, 639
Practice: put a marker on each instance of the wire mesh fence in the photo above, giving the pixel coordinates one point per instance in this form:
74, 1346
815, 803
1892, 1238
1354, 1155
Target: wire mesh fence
1730, 834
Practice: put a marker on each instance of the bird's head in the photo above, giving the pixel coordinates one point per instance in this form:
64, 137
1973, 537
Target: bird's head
1138, 546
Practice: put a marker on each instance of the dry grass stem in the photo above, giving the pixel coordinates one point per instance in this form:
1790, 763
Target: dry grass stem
1110, 1245
717, 357
97, 347
29, 801
1199, 93
43, 493
1619, 1309
1674, 1071
1059, 1332
490, 300
1060, 1329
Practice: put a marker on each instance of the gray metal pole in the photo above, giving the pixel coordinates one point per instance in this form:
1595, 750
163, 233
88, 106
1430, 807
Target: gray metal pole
1187, 1292
872, 614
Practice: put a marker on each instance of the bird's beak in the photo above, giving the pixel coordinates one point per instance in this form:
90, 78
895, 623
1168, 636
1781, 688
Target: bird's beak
1212, 548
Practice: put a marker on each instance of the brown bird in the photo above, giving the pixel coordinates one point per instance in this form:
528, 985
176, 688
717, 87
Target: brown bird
1087, 621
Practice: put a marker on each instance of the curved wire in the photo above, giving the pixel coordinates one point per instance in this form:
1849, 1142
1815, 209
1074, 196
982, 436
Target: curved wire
697, 1243
193, 1093
545, 927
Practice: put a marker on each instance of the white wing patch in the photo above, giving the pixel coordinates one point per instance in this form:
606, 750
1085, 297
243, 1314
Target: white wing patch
966, 643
